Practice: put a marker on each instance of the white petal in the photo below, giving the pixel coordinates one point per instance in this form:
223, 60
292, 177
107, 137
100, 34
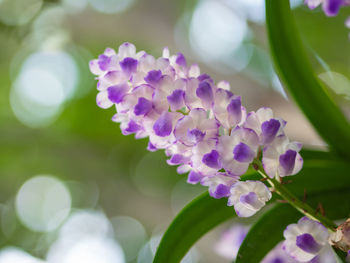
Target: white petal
264, 114
300, 255
298, 164
166, 53
243, 211
224, 85
94, 67
126, 50
270, 161
194, 71
103, 101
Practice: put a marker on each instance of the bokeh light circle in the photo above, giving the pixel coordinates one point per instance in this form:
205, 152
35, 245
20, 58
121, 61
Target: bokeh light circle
216, 30
86, 223
130, 233
87, 236
16, 255
43, 203
45, 81
90, 249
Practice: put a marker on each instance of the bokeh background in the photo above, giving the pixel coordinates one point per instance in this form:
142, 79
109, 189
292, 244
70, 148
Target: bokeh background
72, 188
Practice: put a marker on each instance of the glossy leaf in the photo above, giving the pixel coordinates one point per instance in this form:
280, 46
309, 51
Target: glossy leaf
298, 76
196, 219
255, 246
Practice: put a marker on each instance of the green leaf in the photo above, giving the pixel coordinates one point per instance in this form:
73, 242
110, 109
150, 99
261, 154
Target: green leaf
318, 176
205, 213
255, 246
295, 70
196, 219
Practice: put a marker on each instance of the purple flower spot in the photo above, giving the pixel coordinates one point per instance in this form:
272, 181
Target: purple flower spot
269, 130
163, 126
176, 159
212, 159
205, 92
181, 60
176, 97
128, 65
142, 107
229, 94
194, 177
249, 198
277, 260
132, 127
103, 61
287, 161
151, 147
195, 135
307, 243
234, 107
153, 76
242, 153
116, 93
331, 7
203, 77
221, 191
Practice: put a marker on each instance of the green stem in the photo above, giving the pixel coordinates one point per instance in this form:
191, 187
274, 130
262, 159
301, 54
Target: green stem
301, 206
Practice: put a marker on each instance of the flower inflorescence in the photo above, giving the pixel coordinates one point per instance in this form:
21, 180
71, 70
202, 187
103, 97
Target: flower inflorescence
202, 125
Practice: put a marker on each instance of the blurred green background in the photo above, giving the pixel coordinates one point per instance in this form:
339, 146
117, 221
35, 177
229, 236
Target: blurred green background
73, 188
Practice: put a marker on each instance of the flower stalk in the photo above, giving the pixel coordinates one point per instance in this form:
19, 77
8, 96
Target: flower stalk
301, 206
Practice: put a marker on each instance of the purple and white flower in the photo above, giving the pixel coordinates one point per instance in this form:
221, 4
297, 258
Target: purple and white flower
265, 125
238, 150
305, 240
202, 126
219, 185
196, 127
282, 158
248, 197
205, 159
228, 109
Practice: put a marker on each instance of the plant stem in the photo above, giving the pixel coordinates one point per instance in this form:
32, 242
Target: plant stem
301, 206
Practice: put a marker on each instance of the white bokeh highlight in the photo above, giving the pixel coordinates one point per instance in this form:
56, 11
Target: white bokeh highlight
16, 255
43, 203
87, 236
216, 30
46, 80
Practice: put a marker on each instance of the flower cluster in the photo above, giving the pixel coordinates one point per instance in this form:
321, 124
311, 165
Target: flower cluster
202, 125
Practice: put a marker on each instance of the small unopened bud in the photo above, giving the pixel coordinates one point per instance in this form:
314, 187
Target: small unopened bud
341, 238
